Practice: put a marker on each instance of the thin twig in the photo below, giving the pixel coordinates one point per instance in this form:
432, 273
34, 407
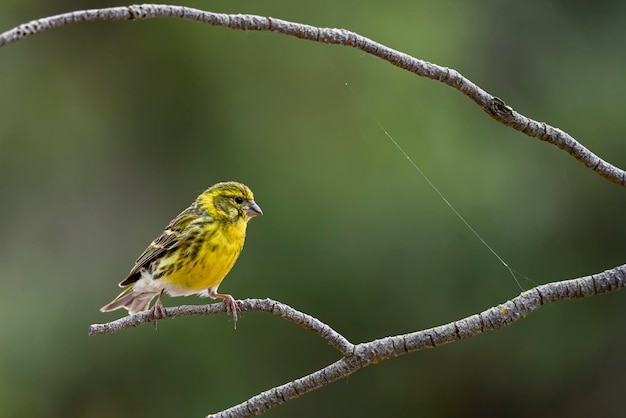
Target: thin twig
493, 106
335, 339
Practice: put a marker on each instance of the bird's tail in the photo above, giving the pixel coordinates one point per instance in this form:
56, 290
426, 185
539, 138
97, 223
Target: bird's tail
130, 300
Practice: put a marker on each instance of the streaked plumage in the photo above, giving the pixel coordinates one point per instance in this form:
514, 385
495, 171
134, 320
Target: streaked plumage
194, 253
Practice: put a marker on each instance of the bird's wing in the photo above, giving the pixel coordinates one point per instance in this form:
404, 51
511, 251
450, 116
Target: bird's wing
174, 234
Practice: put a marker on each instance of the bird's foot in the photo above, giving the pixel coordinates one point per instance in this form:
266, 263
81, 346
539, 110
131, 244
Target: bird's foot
231, 305
157, 312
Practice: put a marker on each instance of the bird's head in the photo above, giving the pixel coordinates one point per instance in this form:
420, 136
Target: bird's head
229, 201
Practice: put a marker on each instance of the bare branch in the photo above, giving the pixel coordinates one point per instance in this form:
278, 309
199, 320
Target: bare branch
375, 351
335, 339
358, 356
493, 106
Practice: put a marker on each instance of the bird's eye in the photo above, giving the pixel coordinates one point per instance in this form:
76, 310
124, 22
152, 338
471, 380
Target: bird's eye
239, 200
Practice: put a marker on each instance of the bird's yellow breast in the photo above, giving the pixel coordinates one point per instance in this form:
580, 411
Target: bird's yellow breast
203, 261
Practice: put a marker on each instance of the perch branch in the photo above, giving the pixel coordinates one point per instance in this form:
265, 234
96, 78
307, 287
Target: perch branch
335, 339
493, 106
361, 355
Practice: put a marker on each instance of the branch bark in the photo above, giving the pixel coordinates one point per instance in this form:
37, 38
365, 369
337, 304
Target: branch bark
357, 356
493, 106
248, 305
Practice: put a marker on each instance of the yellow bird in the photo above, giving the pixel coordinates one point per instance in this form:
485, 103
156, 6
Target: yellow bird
194, 253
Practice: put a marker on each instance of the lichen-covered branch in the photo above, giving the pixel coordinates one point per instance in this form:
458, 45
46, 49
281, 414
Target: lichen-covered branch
361, 355
493, 106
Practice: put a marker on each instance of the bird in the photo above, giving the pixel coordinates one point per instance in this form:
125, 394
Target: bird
194, 253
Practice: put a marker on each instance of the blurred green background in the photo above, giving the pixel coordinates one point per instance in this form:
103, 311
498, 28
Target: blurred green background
109, 129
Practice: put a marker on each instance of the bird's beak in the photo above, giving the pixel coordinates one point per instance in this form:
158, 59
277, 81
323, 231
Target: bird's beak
254, 210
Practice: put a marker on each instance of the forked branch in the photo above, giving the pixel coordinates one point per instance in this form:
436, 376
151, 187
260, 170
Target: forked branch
357, 356
493, 106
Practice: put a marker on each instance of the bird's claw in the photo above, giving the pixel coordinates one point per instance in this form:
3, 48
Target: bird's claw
232, 307
157, 312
